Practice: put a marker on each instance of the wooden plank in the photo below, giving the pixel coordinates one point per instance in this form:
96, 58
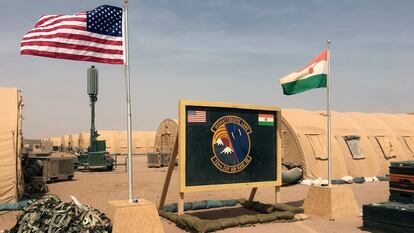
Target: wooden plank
182, 143
169, 174
252, 194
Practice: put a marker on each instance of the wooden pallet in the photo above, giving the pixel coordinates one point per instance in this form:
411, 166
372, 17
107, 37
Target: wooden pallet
401, 195
400, 178
404, 186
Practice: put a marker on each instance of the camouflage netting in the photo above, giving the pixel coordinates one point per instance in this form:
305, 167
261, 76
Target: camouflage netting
266, 213
51, 215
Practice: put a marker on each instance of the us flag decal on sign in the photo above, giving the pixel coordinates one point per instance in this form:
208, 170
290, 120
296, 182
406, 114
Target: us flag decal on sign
196, 116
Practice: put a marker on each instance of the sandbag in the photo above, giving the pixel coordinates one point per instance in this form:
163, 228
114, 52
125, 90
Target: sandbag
248, 219
248, 204
338, 181
347, 178
188, 206
168, 215
198, 205
266, 217
369, 179
382, 178
291, 176
262, 208
284, 207
230, 202
170, 207
358, 180
213, 204
228, 222
186, 221
287, 215
207, 226
15, 206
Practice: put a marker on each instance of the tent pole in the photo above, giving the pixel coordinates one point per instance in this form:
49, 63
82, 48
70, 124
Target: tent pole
328, 109
128, 98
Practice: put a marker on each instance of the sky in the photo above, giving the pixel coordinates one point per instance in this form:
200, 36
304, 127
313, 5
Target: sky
215, 50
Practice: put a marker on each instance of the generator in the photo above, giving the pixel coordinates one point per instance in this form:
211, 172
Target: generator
158, 159
50, 166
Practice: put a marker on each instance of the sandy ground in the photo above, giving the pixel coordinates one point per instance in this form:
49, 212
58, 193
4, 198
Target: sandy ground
97, 188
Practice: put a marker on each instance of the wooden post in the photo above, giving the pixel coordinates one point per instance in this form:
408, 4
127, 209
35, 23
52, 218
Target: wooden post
169, 174
252, 194
181, 204
277, 194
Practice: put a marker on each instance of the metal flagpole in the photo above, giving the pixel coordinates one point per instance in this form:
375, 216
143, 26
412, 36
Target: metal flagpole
128, 97
328, 109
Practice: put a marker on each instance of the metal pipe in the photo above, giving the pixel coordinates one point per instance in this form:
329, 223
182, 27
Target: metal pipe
128, 99
328, 88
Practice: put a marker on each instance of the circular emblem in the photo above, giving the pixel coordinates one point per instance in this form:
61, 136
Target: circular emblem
231, 144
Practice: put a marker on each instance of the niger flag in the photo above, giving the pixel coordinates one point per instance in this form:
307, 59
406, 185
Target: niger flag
313, 75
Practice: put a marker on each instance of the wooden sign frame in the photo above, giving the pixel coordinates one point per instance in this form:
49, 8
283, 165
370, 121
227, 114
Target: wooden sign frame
180, 146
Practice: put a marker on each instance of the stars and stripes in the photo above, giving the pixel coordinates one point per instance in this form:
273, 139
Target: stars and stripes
94, 36
196, 116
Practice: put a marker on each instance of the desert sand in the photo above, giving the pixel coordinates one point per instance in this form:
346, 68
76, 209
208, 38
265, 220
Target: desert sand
97, 188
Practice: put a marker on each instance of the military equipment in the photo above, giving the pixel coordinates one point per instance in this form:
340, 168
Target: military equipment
96, 156
52, 166
51, 215
158, 159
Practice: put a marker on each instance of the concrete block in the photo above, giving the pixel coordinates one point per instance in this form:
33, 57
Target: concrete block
331, 202
141, 217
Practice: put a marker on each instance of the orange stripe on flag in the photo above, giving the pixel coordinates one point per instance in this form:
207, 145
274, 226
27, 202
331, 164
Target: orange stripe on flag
321, 57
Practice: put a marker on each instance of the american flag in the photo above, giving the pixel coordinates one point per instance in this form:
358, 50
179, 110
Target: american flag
94, 36
196, 116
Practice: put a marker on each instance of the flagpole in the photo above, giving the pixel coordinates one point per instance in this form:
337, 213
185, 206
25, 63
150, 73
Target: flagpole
328, 110
128, 98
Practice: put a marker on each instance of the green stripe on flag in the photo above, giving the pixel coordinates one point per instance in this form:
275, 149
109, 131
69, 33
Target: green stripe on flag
266, 123
316, 81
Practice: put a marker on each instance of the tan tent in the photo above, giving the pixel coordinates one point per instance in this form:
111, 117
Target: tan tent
74, 141
143, 142
166, 135
65, 141
83, 141
116, 141
52, 142
11, 177
363, 144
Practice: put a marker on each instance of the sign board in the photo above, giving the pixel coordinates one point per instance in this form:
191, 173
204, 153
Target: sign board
224, 145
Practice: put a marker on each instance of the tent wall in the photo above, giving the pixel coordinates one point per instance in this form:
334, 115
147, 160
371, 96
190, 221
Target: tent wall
143, 142
117, 141
363, 144
83, 141
74, 141
11, 177
65, 141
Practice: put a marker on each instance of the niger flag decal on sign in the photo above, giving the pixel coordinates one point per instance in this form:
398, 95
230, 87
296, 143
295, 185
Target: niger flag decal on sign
313, 75
266, 120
